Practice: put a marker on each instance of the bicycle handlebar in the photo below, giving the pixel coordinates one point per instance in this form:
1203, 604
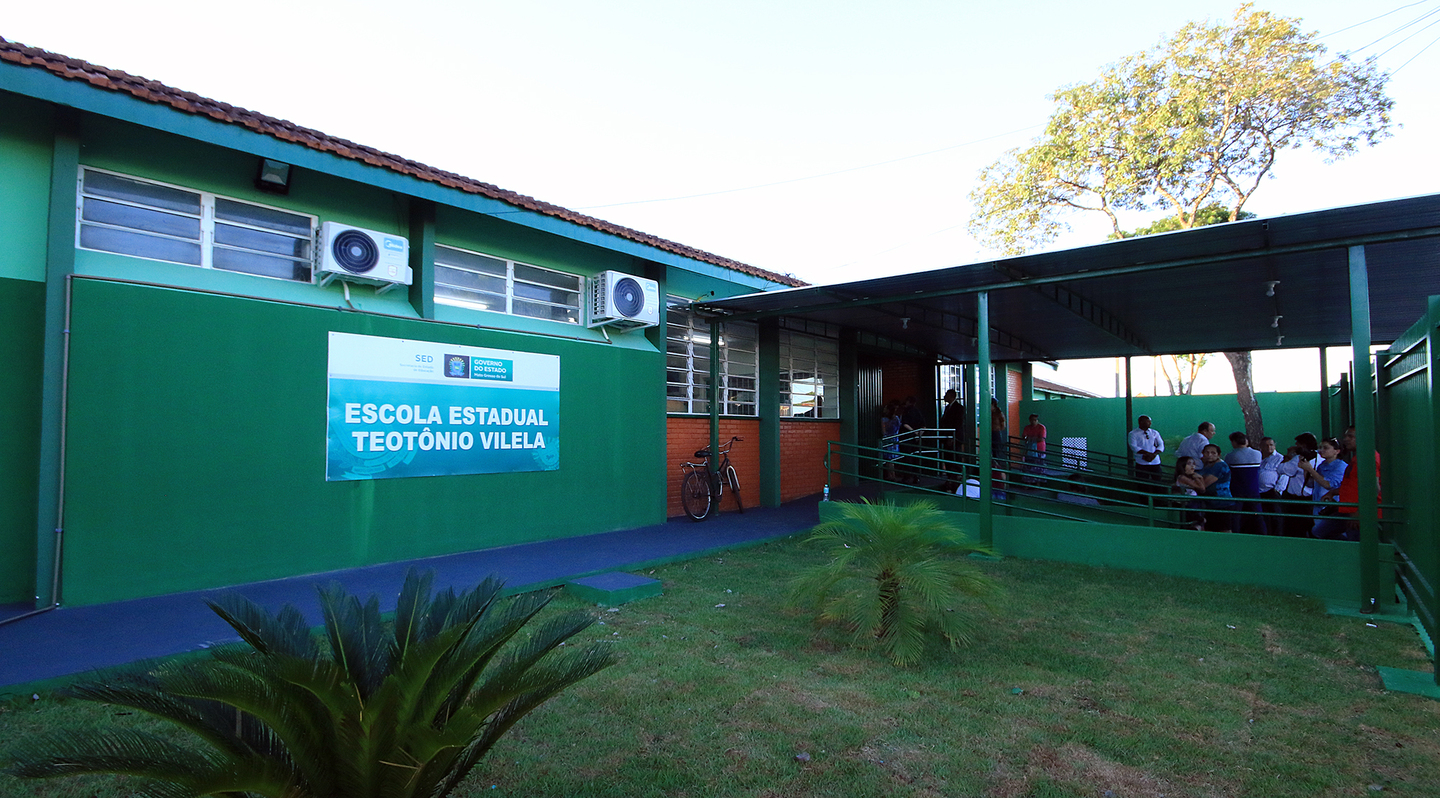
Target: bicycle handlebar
724, 449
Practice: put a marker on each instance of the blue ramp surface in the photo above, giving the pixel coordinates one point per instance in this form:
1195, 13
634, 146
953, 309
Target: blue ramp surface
72, 640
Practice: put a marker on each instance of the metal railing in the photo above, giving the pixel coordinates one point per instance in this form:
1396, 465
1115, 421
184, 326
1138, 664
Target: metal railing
1047, 493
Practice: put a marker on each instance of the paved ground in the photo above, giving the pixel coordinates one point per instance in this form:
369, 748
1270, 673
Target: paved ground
72, 640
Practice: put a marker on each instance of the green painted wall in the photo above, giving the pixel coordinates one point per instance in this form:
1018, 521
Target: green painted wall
22, 315
152, 155
1326, 568
694, 286
1411, 413
25, 144
1314, 567
197, 439
1102, 421
196, 433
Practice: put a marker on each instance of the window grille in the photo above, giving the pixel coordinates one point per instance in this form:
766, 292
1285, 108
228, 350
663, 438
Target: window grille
146, 219
809, 376
687, 364
472, 280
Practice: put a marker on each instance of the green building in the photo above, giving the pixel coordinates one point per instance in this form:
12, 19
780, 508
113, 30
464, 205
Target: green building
205, 311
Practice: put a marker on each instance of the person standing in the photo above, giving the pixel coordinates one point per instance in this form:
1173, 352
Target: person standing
1146, 444
1349, 492
952, 419
890, 438
1244, 463
1191, 446
1270, 460
1034, 435
999, 444
912, 425
1327, 477
1297, 484
1215, 476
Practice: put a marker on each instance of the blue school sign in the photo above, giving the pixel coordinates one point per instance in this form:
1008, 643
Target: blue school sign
401, 408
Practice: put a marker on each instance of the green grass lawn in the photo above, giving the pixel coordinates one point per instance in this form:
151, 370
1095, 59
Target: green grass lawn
1083, 682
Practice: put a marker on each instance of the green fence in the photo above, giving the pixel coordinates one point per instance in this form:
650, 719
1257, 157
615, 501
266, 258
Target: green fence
1407, 438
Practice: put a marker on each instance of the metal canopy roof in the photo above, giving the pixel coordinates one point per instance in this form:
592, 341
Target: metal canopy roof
1200, 290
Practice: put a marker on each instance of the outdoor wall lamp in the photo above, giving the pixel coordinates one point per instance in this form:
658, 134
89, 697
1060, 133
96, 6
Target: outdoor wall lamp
1275, 325
273, 177
1270, 287
904, 322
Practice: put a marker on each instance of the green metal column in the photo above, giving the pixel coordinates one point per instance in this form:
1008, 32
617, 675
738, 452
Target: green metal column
982, 401
1364, 408
422, 257
767, 404
1129, 401
969, 394
715, 394
59, 266
1027, 382
1431, 515
1324, 395
850, 414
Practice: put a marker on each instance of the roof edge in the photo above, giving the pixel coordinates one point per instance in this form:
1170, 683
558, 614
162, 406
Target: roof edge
191, 103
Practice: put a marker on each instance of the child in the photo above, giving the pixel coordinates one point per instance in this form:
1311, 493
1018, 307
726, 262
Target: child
1188, 483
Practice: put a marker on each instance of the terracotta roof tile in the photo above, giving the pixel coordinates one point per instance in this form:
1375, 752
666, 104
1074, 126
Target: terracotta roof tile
190, 102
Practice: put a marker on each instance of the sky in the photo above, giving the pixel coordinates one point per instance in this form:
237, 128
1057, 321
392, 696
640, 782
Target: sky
832, 141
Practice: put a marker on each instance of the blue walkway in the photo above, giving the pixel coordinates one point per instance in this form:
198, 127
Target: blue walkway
72, 640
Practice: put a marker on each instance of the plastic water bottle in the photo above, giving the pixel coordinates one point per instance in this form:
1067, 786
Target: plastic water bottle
827, 494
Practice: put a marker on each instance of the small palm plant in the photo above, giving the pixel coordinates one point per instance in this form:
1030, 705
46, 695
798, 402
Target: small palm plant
896, 575
381, 708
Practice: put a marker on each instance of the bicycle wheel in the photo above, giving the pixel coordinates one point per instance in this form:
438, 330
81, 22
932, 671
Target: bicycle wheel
695, 496
734, 480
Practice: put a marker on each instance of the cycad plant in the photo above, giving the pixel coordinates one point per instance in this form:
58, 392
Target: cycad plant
371, 709
896, 576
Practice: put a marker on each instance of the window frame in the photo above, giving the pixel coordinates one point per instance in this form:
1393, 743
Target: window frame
510, 282
737, 398
207, 220
824, 374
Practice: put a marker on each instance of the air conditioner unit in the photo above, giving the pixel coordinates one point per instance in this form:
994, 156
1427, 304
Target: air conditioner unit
363, 256
623, 300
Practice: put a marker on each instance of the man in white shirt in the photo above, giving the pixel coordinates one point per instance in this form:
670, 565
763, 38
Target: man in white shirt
1147, 445
1270, 461
1192, 445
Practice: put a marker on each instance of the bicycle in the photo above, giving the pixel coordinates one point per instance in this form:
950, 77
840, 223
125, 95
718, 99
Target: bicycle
701, 491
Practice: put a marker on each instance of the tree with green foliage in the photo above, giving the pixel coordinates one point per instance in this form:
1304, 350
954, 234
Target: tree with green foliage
380, 709
1214, 213
897, 575
1197, 120
1186, 367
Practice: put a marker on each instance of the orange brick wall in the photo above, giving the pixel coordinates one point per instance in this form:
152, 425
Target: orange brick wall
907, 378
802, 456
685, 436
1012, 398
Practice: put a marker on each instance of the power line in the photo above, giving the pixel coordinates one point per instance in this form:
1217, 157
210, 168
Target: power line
1372, 19
1414, 21
1415, 56
811, 177
1408, 38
